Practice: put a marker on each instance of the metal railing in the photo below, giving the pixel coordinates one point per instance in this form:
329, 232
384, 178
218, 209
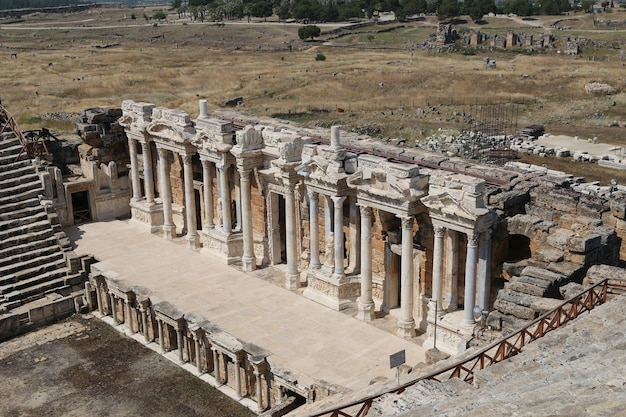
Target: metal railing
495, 352
8, 124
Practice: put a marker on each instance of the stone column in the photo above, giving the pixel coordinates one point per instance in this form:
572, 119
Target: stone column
314, 231
190, 203
169, 230
438, 267
237, 377
181, 344
470, 279
338, 237
484, 270
161, 339
406, 324
366, 303
258, 388
328, 232
248, 259
292, 276
134, 171
227, 222
128, 317
99, 299
238, 202
207, 180
113, 308
148, 181
355, 238
216, 366
197, 349
144, 322
452, 270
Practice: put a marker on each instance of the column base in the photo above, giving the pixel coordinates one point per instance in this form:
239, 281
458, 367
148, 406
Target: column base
406, 329
193, 241
453, 336
292, 281
149, 215
366, 311
169, 232
227, 246
248, 263
324, 287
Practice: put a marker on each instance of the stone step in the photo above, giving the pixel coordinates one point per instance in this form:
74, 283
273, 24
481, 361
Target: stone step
524, 288
32, 281
26, 238
11, 165
24, 195
20, 253
542, 273
17, 173
16, 270
514, 309
17, 222
10, 192
8, 208
532, 286
53, 282
8, 139
36, 209
22, 229
27, 176
10, 159
11, 148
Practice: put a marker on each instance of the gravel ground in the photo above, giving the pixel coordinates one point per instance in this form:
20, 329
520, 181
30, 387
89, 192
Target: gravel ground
82, 367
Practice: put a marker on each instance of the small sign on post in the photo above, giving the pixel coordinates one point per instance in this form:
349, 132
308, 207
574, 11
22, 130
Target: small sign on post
397, 359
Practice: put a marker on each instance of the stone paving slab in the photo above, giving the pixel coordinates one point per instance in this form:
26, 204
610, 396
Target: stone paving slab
302, 335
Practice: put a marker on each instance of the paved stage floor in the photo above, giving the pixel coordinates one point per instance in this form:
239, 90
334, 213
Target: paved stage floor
302, 336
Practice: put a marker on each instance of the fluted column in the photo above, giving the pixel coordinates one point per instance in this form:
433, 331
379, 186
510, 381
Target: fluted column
406, 324
484, 270
438, 266
216, 366
181, 344
169, 230
237, 377
248, 259
196, 341
144, 322
113, 308
338, 236
328, 233
470, 279
190, 203
207, 180
227, 222
314, 231
161, 338
148, 180
366, 303
258, 388
292, 277
134, 170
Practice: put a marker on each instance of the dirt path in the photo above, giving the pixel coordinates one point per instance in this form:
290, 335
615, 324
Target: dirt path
83, 367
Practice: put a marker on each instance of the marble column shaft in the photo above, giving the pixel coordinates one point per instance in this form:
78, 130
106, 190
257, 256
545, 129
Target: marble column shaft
470, 279
452, 269
190, 202
366, 303
166, 193
338, 236
161, 337
207, 180
181, 344
407, 322
227, 222
484, 270
134, 169
148, 179
438, 267
292, 276
314, 231
248, 258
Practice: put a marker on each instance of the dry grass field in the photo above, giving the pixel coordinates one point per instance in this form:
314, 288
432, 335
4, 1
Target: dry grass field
68, 62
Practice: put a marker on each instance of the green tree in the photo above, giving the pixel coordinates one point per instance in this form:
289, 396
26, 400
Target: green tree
283, 11
159, 15
449, 9
309, 31
262, 9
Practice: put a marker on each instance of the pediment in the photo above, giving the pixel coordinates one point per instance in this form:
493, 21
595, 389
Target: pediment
445, 205
167, 131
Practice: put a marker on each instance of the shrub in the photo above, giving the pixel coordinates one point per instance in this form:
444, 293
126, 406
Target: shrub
320, 57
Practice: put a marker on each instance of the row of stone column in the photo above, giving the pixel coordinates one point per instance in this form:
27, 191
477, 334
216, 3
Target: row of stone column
139, 317
472, 256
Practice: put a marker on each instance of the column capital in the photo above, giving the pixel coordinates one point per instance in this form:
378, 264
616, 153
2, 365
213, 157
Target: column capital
162, 152
313, 195
407, 222
338, 199
187, 158
485, 234
439, 230
366, 211
472, 239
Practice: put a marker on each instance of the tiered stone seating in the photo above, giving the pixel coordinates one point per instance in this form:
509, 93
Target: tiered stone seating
32, 249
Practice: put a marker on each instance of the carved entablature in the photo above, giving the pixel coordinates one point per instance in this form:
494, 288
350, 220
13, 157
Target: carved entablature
457, 202
274, 138
249, 139
291, 151
135, 115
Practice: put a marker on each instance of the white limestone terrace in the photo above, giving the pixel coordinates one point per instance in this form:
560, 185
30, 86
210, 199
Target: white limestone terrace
303, 337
